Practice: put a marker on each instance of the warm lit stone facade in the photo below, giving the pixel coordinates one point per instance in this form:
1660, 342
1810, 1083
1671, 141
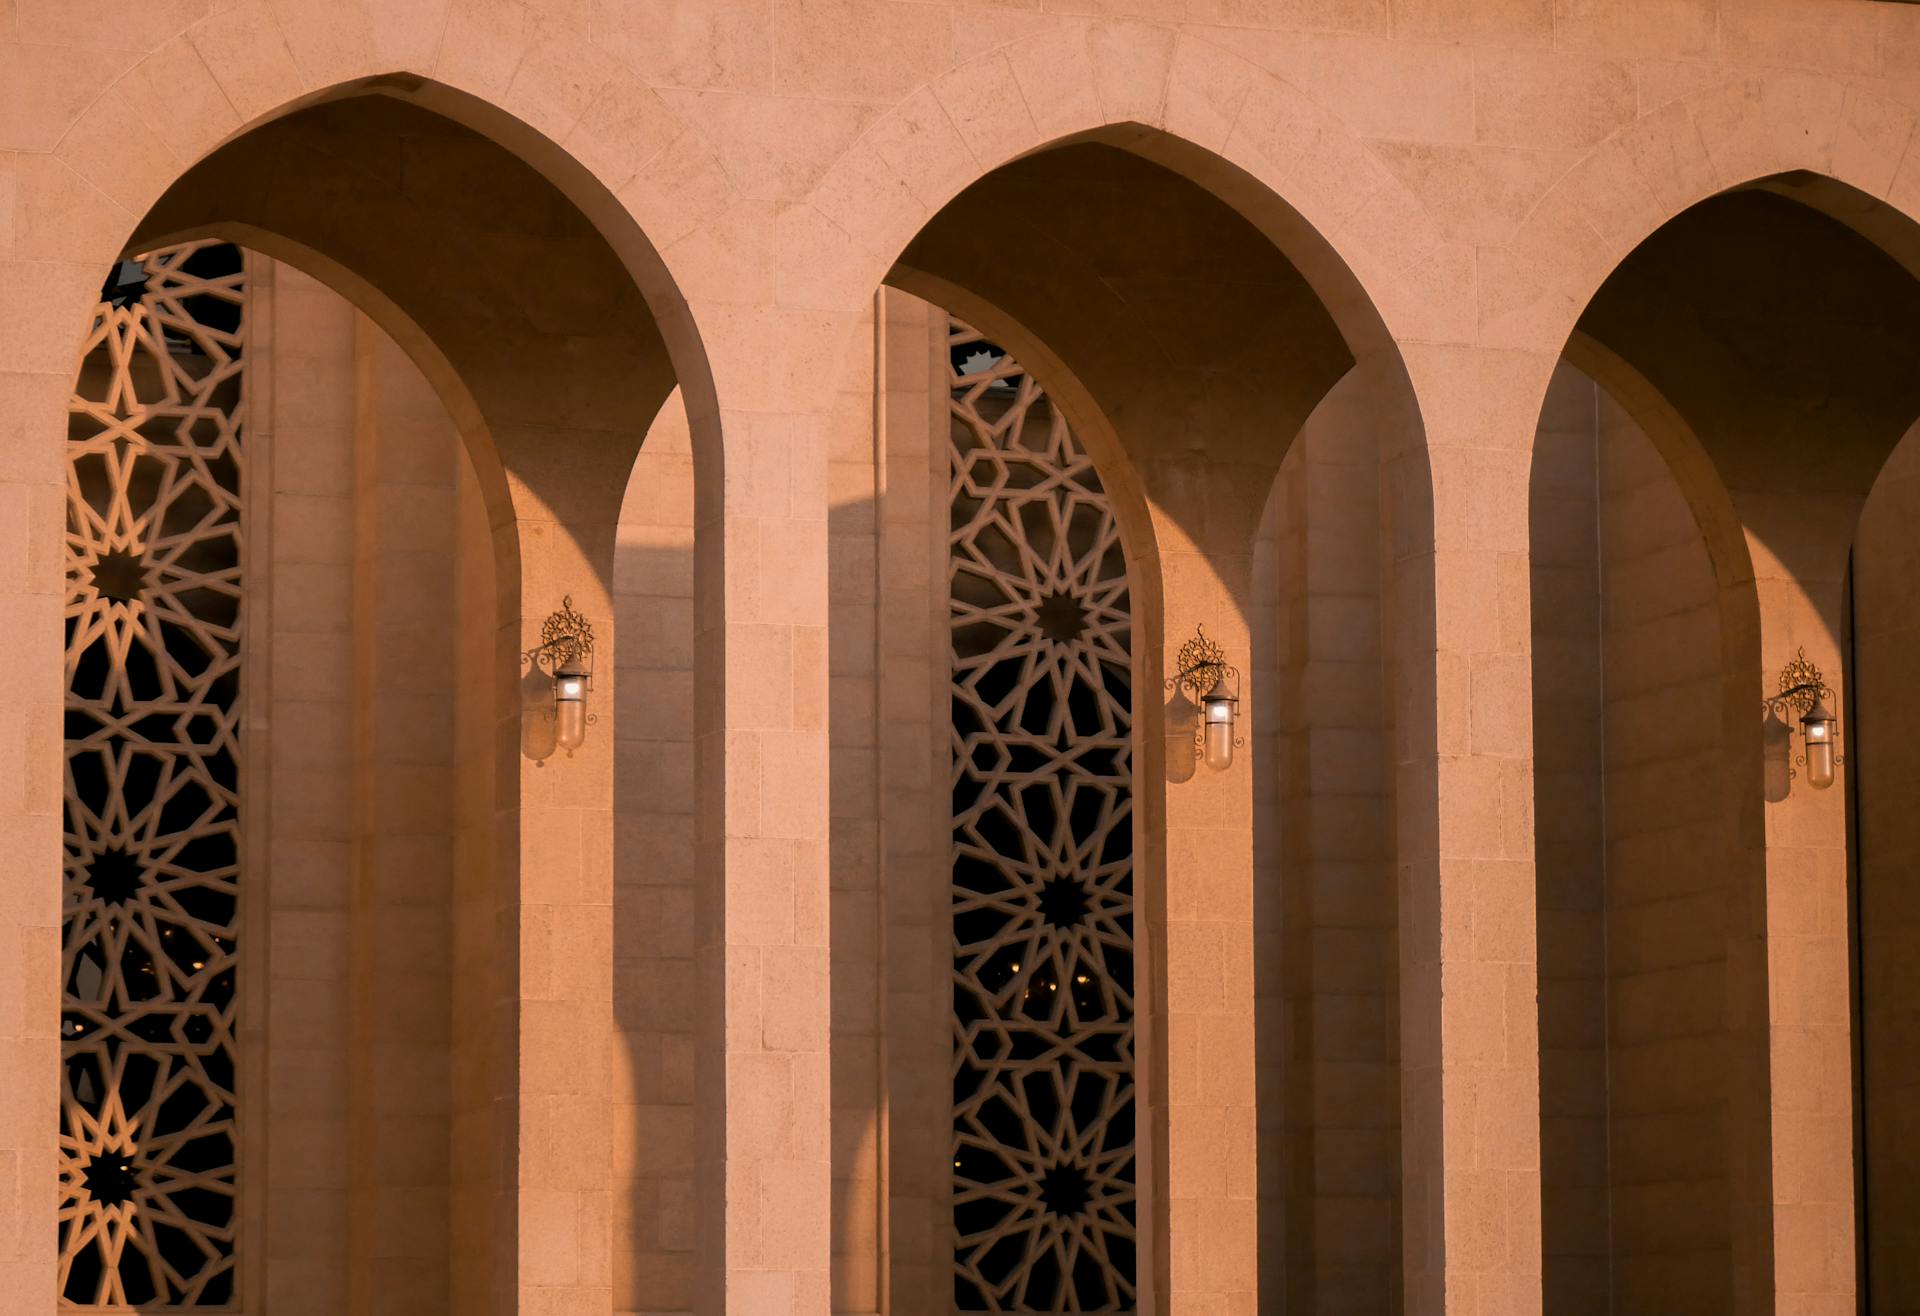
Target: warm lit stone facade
1513, 388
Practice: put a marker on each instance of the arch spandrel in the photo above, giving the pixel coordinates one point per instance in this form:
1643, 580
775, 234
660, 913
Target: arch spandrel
544, 93
530, 310
1784, 337
1364, 243
1833, 145
1200, 350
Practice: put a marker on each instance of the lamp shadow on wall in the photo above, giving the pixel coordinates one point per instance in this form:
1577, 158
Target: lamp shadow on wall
1183, 723
538, 738
1776, 754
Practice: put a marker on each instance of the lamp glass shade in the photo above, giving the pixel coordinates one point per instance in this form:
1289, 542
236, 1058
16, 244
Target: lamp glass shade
570, 707
1818, 727
1218, 709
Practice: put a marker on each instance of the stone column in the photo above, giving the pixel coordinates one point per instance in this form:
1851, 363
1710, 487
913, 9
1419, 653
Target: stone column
763, 1177
300, 519
1205, 928
915, 710
653, 951
404, 617
553, 892
1470, 1093
1330, 1106
33, 398
855, 484
1799, 542
1199, 907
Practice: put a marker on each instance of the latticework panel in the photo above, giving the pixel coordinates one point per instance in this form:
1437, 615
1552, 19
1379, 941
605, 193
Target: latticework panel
1043, 1076
153, 622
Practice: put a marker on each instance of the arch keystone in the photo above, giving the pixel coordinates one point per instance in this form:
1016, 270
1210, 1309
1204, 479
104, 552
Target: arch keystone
1131, 66
1056, 78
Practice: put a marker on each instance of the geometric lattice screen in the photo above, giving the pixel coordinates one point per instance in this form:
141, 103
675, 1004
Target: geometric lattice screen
154, 558
1044, 1208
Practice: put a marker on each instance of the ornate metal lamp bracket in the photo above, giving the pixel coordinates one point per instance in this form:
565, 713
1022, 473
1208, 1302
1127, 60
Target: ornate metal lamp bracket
1801, 683
1200, 665
1201, 668
565, 637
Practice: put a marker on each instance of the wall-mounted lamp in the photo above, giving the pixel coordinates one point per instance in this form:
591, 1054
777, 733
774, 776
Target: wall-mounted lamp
1201, 669
565, 655
1804, 690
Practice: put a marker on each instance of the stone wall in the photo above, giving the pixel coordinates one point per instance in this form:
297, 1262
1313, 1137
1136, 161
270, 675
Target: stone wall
1200, 215
360, 477
1326, 899
653, 936
1634, 863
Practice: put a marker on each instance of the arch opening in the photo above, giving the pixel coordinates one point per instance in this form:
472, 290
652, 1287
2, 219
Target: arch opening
1722, 409
416, 285
1170, 328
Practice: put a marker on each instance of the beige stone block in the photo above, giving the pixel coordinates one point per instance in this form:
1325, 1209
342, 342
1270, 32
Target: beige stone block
677, 190
50, 83
1399, 90
1504, 23
1770, 32
561, 75
794, 984
115, 150
920, 146
817, 263
1671, 155
1633, 27
858, 50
